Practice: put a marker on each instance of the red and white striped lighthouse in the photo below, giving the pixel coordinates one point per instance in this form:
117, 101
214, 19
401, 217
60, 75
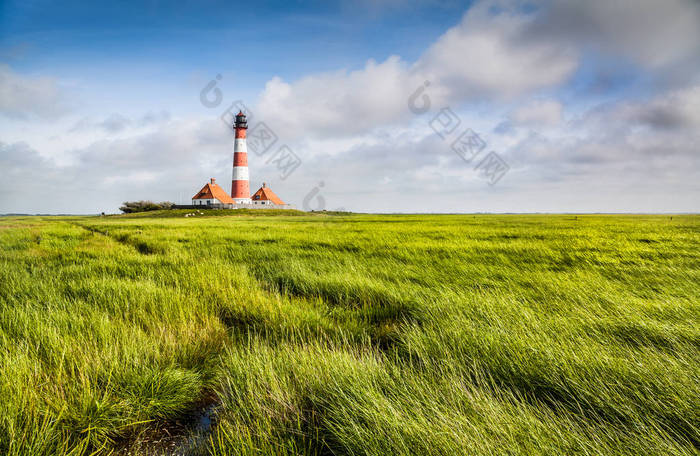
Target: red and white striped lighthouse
240, 187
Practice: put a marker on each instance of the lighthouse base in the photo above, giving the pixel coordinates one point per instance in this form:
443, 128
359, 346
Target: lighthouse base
243, 201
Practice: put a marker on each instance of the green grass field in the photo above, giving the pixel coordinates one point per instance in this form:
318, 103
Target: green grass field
350, 334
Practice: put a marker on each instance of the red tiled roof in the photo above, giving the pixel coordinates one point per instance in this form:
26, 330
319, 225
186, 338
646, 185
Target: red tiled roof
265, 194
211, 191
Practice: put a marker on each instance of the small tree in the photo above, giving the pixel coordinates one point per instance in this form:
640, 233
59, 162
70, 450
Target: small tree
130, 207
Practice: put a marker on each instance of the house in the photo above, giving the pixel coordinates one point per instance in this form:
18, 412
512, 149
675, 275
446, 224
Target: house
214, 197
211, 194
265, 195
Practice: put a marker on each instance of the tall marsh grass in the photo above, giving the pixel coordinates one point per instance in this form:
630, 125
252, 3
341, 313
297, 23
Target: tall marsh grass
352, 334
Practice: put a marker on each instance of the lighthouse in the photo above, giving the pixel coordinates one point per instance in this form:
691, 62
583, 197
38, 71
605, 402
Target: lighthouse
240, 187
214, 197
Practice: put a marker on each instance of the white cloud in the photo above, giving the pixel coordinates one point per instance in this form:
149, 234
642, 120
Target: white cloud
117, 123
642, 140
340, 102
611, 159
482, 57
164, 164
675, 110
650, 32
500, 50
22, 96
538, 113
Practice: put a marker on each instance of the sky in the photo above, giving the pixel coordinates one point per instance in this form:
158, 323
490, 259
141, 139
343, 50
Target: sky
376, 106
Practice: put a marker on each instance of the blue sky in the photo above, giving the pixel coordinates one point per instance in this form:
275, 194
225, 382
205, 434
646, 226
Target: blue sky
592, 106
253, 41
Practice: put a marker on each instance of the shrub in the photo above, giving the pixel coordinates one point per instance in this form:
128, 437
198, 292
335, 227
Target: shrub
130, 207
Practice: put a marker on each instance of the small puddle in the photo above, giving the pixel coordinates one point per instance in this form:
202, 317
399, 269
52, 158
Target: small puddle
185, 437
200, 433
